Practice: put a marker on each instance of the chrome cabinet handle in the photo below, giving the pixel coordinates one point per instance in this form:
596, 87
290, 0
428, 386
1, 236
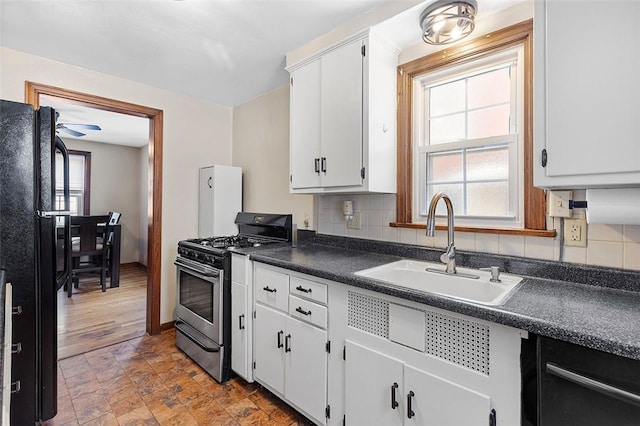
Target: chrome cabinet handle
592, 384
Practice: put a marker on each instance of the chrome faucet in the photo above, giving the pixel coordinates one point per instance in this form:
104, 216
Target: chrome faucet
449, 256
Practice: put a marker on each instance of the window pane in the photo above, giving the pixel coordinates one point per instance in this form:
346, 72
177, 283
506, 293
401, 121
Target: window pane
484, 163
445, 167
446, 129
489, 88
455, 193
447, 98
488, 199
489, 122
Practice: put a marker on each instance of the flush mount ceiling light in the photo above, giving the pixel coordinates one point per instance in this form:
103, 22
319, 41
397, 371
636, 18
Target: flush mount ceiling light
446, 21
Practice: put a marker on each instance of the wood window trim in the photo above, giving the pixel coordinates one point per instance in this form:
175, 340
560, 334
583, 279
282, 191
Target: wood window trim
534, 198
86, 207
156, 119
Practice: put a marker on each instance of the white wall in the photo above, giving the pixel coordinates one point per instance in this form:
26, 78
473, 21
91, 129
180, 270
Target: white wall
115, 174
197, 133
261, 148
143, 160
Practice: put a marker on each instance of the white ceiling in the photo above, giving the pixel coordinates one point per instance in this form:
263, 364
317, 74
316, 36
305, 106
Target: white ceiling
226, 51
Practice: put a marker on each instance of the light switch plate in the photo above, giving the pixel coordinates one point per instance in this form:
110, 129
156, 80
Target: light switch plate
558, 203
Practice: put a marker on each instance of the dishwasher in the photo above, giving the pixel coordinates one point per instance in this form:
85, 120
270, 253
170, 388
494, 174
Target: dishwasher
581, 386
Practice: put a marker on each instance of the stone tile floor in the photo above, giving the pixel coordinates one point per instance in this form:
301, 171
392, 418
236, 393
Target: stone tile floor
148, 381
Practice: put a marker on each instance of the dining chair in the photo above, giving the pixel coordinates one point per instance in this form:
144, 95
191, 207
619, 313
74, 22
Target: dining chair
89, 254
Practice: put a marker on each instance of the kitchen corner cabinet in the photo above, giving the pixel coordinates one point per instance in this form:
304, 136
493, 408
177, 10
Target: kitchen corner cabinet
290, 341
342, 118
586, 60
241, 324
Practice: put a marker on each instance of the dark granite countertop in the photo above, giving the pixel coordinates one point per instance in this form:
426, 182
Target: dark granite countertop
595, 307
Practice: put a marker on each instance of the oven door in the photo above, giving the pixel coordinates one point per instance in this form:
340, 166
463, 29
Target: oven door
199, 295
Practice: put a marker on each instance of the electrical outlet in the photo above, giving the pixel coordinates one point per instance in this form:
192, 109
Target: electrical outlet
354, 222
575, 232
558, 203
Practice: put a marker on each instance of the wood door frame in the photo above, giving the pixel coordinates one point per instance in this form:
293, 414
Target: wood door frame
154, 178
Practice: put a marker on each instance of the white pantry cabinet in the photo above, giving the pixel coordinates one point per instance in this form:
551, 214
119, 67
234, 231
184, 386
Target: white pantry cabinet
343, 118
290, 340
587, 98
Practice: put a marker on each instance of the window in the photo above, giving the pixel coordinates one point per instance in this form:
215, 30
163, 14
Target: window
467, 140
465, 128
79, 182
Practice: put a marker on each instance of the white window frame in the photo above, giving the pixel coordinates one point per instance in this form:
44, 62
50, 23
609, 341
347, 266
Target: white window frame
515, 140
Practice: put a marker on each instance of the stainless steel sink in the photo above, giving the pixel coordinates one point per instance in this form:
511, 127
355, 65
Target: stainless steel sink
467, 284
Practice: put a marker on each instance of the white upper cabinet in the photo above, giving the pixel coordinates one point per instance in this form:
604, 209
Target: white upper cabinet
587, 98
343, 118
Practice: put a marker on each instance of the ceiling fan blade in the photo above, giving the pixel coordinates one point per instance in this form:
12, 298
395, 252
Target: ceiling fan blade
70, 131
83, 126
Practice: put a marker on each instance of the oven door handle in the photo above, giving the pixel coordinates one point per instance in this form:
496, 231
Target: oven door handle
197, 267
194, 339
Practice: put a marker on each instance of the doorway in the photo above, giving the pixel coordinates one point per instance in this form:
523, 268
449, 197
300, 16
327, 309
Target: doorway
154, 210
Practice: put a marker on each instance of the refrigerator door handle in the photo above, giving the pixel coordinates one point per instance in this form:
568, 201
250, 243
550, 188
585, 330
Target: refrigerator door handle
65, 277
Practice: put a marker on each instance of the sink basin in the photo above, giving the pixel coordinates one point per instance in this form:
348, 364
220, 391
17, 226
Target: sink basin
414, 274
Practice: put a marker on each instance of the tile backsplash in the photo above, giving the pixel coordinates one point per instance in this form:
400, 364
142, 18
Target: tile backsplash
615, 246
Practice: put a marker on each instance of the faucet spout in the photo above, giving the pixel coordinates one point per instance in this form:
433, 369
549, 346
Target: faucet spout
449, 256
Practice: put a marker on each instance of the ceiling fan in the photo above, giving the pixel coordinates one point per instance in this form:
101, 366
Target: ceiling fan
69, 128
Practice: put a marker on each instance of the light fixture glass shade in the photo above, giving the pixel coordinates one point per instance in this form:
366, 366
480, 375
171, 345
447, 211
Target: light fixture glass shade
447, 21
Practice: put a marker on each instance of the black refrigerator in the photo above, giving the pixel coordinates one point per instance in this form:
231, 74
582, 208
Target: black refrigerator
34, 252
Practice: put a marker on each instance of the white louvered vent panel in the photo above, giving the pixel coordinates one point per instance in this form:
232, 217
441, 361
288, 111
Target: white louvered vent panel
460, 341
368, 314
457, 340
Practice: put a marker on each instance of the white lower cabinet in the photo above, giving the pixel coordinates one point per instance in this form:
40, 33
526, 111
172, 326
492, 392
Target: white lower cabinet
241, 324
380, 389
239, 320
290, 354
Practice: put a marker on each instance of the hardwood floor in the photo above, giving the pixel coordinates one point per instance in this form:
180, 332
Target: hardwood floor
91, 319
149, 381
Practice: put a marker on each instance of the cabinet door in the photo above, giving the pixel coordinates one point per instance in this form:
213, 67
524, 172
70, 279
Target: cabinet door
370, 379
306, 368
239, 318
305, 126
341, 112
269, 333
436, 401
586, 99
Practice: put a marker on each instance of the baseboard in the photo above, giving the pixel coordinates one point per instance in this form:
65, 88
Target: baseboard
167, 326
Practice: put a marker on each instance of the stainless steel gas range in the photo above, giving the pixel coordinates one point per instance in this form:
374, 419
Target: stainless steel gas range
203, 309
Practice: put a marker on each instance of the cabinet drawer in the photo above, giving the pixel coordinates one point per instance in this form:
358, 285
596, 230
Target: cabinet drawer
308, 290
272, 288
308, 311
